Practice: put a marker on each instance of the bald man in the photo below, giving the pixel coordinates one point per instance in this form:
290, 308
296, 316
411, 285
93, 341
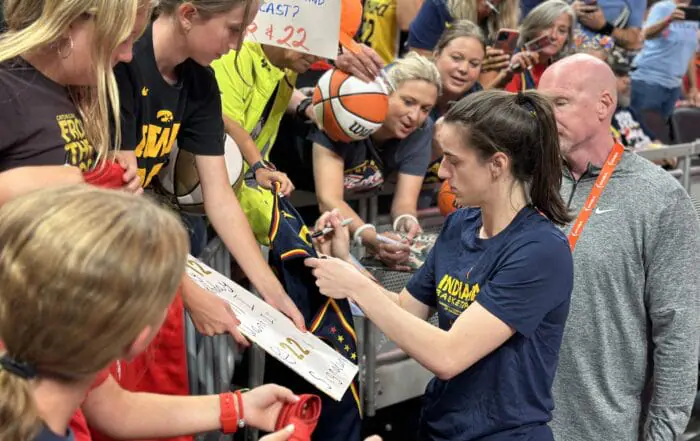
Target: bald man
629, 360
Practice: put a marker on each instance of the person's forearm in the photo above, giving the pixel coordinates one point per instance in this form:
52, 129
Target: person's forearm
369, 235
628, 38
427, 344
245, 143
295, 100
22, 180
229, 221
653, 31
692, 77
394, 297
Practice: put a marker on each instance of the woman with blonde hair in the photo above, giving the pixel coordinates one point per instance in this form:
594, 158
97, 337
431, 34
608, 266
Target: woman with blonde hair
67, 313
399, 150
58, 95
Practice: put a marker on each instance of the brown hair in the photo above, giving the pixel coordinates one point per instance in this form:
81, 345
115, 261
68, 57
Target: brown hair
460, 29
83, 272
530, 141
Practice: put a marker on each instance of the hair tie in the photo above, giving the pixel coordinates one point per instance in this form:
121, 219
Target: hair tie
525, 102
18, 368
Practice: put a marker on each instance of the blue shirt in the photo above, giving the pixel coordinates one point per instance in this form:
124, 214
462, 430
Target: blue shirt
425, 30
664, 60
621, 13
47, 435
523, 276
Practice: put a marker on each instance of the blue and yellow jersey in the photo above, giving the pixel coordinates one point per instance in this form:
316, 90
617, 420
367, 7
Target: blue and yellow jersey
380, 30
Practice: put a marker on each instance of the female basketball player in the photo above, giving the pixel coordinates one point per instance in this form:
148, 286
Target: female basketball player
66, 313
56, 60
458, 56
500, 275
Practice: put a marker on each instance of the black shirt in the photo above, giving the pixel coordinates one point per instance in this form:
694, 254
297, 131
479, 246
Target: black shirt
155, 113
39, 123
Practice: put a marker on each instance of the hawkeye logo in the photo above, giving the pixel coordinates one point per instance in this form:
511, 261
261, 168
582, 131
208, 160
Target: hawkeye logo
165, 116
456, 295
144, 91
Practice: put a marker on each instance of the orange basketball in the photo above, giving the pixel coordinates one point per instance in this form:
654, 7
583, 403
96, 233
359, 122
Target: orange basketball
446, 199
348, 109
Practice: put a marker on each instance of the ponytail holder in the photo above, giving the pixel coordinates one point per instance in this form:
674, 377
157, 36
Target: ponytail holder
18, 368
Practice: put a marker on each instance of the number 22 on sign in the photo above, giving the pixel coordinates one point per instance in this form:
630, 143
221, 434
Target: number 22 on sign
293, 37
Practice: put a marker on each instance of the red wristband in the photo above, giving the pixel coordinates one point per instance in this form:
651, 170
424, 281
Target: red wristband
228, 416
239, 397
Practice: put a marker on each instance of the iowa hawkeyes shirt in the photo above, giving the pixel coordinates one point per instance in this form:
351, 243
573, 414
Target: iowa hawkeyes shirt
156, 114
39, 123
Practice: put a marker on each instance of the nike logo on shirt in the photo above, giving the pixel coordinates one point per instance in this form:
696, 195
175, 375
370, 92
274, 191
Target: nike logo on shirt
599, 211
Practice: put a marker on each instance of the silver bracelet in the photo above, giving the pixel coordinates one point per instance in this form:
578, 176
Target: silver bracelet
404, 216
356, 237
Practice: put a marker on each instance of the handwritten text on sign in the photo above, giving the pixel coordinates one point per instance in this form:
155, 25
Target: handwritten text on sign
309, 26
304, 353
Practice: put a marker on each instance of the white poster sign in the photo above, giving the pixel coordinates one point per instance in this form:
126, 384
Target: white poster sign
303, 353
309, 26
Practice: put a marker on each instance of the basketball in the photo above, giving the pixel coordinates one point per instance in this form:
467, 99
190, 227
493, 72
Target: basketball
180, 180
348, 109
446, 199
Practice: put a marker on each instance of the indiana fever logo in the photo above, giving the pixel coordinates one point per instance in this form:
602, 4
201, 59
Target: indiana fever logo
79, 152
455, 295
156, 142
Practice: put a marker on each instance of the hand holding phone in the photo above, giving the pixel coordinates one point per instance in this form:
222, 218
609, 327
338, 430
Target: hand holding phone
691, 13
506, 40
537, 44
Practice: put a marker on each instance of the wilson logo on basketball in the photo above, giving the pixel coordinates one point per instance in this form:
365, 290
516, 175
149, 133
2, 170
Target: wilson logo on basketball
360, 130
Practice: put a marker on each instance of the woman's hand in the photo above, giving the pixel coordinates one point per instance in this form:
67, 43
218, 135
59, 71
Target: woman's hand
266, 178
495, 60
127, 160
524, 60
365, 64
337, 242
409, 226
262, 405
393, 255
336, 278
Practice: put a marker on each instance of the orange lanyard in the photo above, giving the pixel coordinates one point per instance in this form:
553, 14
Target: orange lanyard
603, 178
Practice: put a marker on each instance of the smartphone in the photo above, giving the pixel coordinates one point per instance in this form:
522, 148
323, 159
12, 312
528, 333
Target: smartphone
692, 13
537, 44
506, 40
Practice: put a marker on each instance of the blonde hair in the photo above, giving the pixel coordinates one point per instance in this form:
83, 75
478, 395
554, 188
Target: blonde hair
83, 272
413, 67
33, 25
507, 17
206, 8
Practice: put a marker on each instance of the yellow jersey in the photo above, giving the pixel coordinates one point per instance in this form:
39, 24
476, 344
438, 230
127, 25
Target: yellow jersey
380, 29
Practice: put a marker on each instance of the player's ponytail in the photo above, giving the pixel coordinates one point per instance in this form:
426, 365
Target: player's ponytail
523, 127
545, 174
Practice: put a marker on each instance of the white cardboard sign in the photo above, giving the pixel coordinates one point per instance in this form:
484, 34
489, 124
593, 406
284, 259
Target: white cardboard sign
303, 353
309, 26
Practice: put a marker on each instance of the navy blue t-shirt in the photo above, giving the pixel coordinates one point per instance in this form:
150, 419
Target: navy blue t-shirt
430, 22
48, 435
523, 276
